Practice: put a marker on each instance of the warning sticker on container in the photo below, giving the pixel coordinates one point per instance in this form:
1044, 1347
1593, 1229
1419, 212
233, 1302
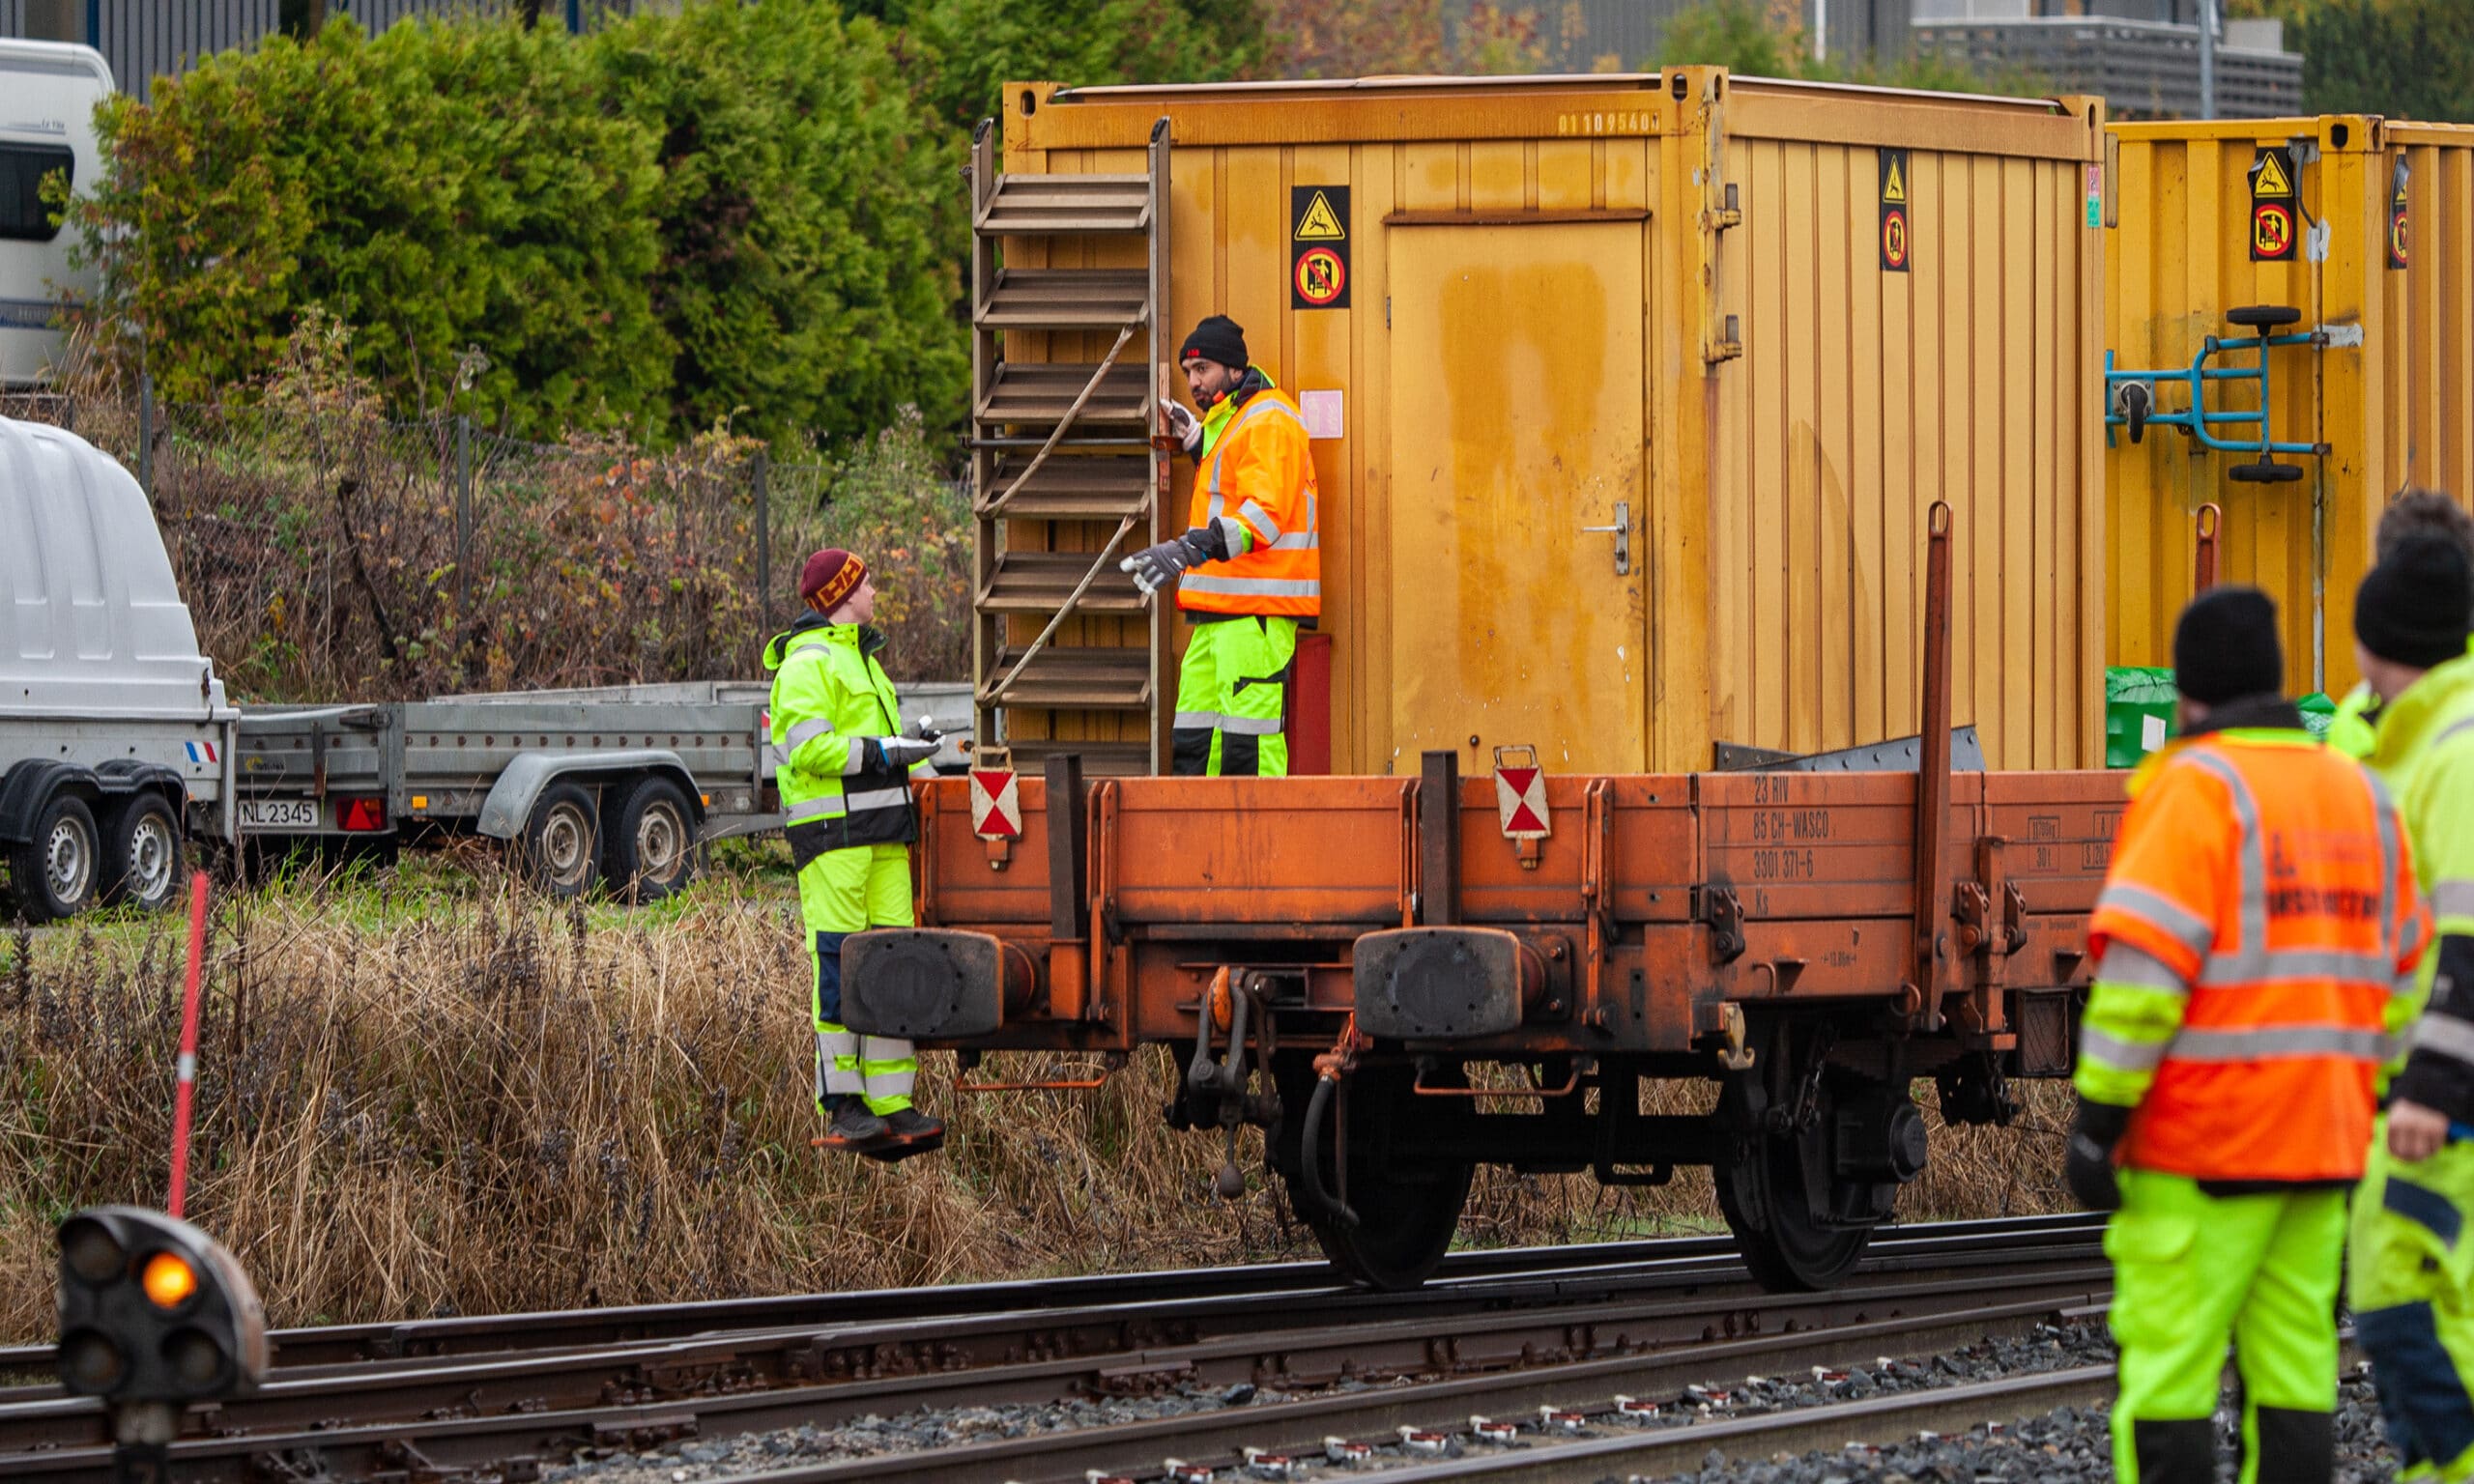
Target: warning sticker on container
1896, 248
1319, 223
2275, 213
2397, 215
1318, 243
1325, 417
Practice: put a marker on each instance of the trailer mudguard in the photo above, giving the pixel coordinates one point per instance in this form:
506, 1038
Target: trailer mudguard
25, 787
511, 799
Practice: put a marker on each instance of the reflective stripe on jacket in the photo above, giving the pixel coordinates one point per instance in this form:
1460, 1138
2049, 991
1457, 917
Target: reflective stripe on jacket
2258, 913
2423, 748
830, 701
1257, 484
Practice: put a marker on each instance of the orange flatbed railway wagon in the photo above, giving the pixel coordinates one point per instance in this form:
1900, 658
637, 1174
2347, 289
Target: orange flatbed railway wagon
1343, 957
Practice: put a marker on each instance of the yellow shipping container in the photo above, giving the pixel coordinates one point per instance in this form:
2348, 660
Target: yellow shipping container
2365, 228
1630, 394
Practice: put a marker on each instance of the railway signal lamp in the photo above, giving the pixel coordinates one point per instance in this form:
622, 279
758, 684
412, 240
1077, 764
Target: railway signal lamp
154, 1314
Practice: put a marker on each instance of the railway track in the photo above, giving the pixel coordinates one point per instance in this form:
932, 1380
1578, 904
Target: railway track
496, 1397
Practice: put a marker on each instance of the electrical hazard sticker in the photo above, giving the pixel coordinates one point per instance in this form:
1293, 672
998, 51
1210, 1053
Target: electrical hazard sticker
2397, 215
1896, 248
2275, 211
1318, 248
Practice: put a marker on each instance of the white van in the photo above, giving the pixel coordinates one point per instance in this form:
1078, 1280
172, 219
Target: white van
48, 91
116, 741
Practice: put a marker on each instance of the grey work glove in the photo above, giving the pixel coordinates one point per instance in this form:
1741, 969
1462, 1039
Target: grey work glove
902, 753
1187, 427
1155, 567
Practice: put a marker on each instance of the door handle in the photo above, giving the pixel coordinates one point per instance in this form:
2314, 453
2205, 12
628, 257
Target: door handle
1621, 532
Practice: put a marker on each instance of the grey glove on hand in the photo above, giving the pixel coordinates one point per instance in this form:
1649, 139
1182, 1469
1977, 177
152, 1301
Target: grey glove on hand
902, 753
1155, 567
1187, 427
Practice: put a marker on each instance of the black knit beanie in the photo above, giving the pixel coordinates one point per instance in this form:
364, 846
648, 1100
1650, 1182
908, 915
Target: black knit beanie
2226, 646
1216, 338
2412, 609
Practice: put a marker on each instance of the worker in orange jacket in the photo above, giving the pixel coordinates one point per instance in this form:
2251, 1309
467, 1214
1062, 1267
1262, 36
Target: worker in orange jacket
1250, 568
2258, 913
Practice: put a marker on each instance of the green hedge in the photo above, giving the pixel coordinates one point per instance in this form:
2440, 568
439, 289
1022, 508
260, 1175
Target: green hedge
735, 211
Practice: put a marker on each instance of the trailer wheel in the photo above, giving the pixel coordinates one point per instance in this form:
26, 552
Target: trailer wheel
54, 872
142, 853
561, 849
651, 851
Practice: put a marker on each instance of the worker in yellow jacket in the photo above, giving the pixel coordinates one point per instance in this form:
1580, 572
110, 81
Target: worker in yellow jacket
1249, 567
2413, 511
2411, 1273
843, 769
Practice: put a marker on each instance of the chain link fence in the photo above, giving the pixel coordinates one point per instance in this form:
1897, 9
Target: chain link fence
330, 553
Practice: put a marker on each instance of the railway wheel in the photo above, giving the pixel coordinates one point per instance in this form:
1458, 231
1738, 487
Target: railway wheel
142, 853
55, 872
561, 849
1815, 1155
1406, 1209
652, 849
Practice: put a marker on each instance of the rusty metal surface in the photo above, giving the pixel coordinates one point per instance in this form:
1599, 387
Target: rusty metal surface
1188, 876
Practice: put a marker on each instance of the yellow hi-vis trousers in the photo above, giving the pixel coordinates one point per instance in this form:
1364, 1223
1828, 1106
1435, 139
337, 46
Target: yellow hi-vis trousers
1231, 698
2411, 1285
842, 892
2194, 1272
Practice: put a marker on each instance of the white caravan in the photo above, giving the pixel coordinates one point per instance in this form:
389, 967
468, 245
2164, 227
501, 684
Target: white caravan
115, 738
48, 91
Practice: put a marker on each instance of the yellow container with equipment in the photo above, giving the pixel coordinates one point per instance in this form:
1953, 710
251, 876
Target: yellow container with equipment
1628, 395
2346, 244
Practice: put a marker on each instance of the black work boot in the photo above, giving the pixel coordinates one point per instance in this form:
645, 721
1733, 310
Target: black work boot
908, 1133
858, 1129
912, 1126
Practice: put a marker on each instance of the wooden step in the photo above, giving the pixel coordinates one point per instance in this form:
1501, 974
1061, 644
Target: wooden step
1068, 487
1066, 206
1040, 583
1100, 759
1026, 393
1116, 679
1067, 298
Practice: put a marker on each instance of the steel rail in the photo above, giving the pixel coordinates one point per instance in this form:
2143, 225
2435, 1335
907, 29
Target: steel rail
567, 1328
1136, 1450
790, 1356
1878, 1419
1557, 1350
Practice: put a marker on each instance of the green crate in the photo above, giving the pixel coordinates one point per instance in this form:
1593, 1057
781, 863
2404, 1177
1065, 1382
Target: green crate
2138, 712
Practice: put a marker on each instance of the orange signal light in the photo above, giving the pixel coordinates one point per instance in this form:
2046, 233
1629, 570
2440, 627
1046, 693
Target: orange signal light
168, 1280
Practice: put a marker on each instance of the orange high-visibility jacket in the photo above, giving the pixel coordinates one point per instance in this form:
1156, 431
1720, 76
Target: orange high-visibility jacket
2261, 884
1257, 486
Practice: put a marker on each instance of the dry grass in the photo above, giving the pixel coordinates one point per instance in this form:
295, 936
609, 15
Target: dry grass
455, 1098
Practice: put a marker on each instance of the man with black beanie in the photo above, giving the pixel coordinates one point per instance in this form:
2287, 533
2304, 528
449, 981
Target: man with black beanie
2411, 1285
2254, 918
2413, 512
1249, 567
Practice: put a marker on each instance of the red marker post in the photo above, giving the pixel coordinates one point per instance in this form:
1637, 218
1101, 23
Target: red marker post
187, 1087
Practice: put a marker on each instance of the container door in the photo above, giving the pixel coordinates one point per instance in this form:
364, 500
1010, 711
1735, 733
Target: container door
1517, 495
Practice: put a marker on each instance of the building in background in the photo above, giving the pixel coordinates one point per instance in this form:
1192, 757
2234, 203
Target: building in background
146, 39
2143, 55
1610, 35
